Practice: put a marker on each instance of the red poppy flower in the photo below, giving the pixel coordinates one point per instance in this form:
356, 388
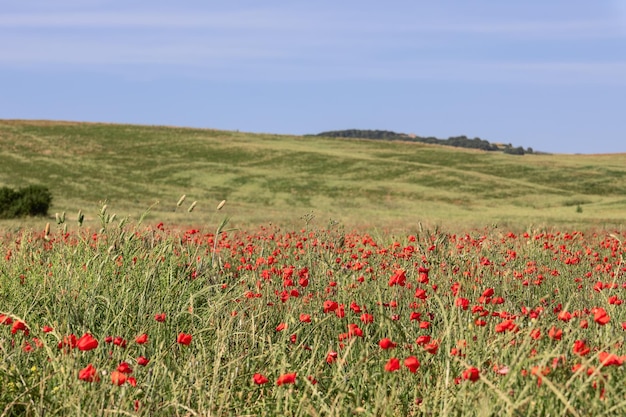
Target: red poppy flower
259, 379
367, 318
19, 325
286, 379
422, 340
118, 378
141, 339
88, 374
68, 342
330, 305
331, 357
281, 327
142, 360
564, 316
305, 318
431, 348
488, 292
423, 275
354, 330
600, 316
46, 329
86, 342
184, 339
160, 317
124, 368
392, 365
555, 333
581, 348
398, 278
4, 319
386, 344
462, 302
421, 294
119, 341
471, 374
608, 359
412, 363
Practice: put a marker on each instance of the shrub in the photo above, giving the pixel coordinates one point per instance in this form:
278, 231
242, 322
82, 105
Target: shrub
33, 200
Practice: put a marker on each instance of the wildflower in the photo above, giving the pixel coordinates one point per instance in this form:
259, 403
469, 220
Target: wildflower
124, 368
398, 278
354, 330
286, 379
581, 348
367, 318
471, 374
46, 329
281, 327
259, 379
141, 339
600, 316
118, 378
392, 365
330, 306
422, 340
423, 275
305, 318
142, 360
608, 359
431, 348
412, 363
184, 339
386, 344
68, 342
555, 333
88, 374
19, 325
86, 342
331, 357
462, 302
421, 294
160, 317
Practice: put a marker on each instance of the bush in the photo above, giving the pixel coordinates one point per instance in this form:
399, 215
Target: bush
33, 200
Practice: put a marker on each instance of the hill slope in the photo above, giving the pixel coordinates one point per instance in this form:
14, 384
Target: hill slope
279, 179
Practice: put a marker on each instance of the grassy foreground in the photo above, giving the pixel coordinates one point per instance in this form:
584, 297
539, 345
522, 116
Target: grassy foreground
138, 319
270, 177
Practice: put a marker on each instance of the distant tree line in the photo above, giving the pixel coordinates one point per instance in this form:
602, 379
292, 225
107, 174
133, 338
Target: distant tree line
457, 141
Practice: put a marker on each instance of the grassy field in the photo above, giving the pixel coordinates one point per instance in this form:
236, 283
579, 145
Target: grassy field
272, 178
354, 277
148, 321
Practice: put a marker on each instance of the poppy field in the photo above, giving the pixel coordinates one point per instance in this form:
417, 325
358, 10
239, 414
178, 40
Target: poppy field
147, 319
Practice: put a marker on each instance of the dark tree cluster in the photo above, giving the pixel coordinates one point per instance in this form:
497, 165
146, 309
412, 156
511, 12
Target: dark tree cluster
457, 141
33, 200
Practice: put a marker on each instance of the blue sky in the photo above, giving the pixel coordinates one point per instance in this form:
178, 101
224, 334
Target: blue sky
550, 75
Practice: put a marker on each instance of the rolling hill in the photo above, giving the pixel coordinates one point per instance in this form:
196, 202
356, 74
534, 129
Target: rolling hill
281, 179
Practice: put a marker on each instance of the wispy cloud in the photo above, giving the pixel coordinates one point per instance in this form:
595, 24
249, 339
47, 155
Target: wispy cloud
301, 44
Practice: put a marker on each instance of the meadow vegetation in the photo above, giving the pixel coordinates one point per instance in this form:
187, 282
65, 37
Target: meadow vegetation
140, 319
338, 277
273, 178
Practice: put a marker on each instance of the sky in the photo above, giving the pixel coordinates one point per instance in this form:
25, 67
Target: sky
550, 75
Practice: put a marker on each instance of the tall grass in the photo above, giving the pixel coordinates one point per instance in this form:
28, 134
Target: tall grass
243, 296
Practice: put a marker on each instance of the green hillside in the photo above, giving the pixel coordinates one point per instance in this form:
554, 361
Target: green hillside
279, 179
